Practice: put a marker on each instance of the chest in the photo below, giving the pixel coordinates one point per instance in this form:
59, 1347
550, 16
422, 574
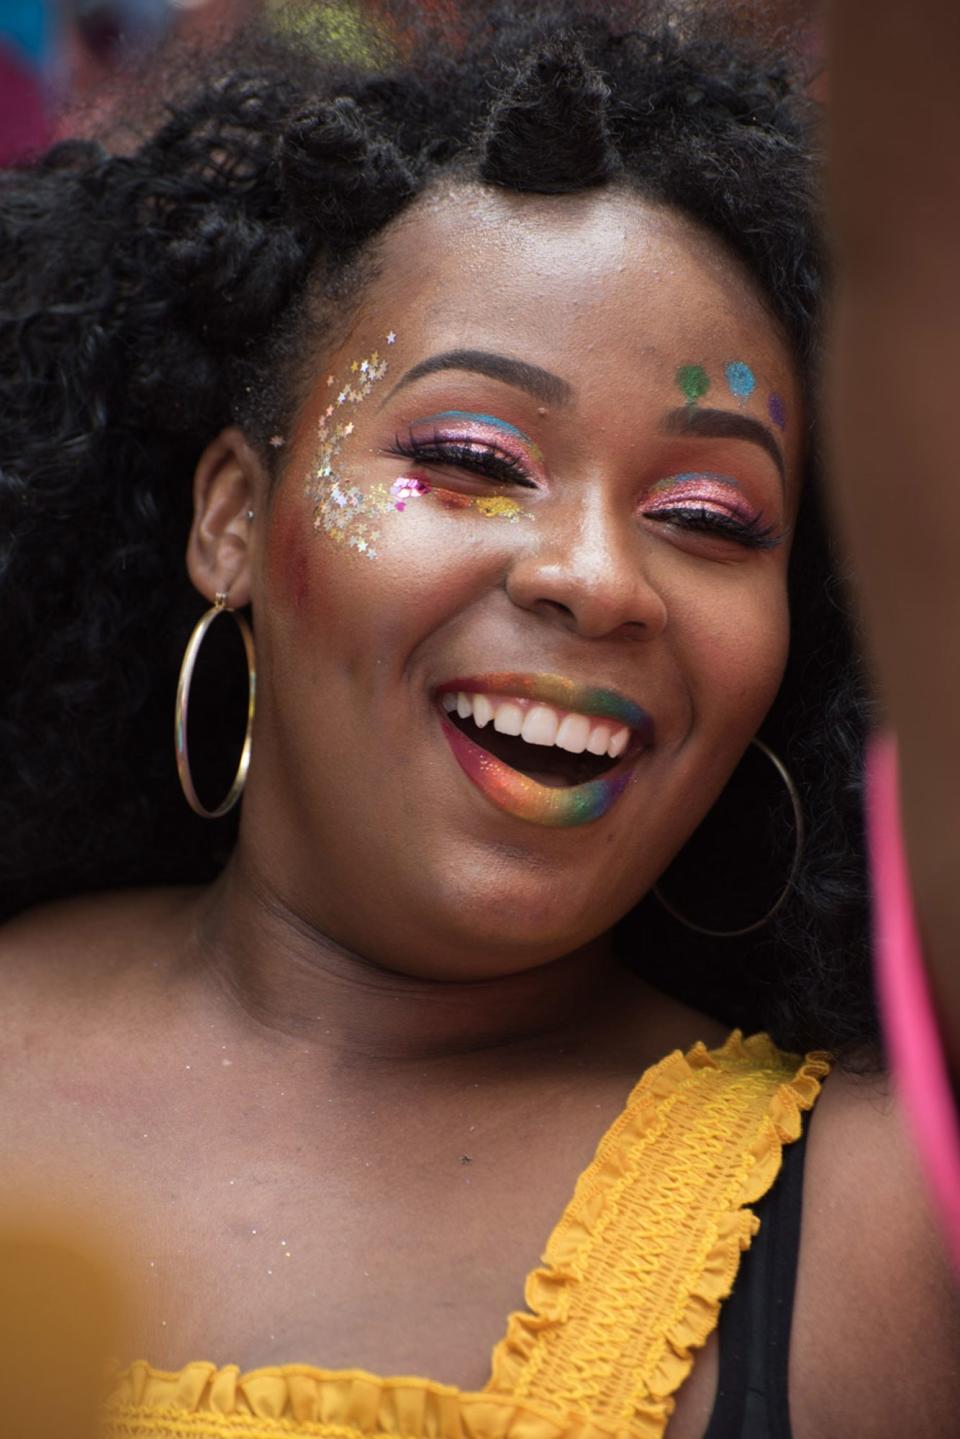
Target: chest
346, 1233
343, 1233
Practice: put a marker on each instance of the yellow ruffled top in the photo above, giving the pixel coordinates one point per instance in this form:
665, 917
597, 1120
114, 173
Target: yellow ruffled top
630, 1285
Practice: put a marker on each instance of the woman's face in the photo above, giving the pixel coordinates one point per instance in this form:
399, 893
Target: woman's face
552, 467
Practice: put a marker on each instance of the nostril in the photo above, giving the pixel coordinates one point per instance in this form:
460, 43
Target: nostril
635, 630
554, 609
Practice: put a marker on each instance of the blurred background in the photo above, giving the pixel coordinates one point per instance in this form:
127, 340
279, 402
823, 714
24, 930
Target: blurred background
66, 64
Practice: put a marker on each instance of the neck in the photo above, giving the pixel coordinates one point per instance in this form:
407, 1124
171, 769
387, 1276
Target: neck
288, 978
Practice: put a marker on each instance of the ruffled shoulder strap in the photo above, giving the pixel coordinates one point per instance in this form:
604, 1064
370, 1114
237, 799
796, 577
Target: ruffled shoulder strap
649, 1245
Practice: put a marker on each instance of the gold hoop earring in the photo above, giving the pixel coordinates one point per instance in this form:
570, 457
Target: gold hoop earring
784, 774
183, 703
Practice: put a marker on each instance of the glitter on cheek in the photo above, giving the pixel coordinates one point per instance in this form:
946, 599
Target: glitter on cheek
777, 411
740, 379
346, 514
694, 382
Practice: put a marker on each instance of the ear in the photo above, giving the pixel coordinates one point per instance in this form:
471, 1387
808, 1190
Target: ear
229, 483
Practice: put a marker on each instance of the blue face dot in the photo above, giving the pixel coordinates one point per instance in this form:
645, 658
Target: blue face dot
741, 379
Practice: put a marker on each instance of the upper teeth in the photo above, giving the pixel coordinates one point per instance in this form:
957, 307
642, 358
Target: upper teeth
540, 723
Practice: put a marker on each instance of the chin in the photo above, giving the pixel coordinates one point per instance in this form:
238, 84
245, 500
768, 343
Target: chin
496, 918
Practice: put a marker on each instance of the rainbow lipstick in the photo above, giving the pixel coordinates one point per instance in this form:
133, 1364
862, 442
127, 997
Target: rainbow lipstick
517, 793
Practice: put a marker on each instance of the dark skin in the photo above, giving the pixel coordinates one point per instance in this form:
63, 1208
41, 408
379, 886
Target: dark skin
392, 973
582, 590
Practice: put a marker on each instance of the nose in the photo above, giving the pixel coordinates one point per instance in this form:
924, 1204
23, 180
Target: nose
589, 576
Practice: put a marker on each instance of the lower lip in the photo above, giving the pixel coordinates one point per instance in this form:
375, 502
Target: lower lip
524, 798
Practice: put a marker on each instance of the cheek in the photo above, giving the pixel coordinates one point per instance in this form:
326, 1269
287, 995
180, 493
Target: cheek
366, 607
735, 654
288, 562
304, 581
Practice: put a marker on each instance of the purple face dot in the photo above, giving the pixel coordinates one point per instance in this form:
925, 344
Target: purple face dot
777, 411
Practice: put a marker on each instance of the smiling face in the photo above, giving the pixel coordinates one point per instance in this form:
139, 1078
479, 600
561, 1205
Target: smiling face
520, 590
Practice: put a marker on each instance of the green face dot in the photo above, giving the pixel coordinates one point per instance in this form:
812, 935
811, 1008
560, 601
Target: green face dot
693, 381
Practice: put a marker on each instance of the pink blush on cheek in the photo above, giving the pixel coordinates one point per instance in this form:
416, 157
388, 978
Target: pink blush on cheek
289, 562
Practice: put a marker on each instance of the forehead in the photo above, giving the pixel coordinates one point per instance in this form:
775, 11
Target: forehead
601, 287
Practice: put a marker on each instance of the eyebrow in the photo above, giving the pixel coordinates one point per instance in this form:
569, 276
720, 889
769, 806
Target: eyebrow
723, 425
541, 384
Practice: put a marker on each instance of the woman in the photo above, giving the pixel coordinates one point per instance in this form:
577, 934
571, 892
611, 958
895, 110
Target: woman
495, 393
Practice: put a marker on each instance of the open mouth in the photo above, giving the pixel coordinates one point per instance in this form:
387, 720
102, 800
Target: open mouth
497, 722
541, 747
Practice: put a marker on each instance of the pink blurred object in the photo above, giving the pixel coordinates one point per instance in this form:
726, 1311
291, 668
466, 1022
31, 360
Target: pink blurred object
24, 122
906, 1005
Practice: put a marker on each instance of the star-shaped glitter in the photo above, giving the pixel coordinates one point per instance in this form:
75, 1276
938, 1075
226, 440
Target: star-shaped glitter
348, 429
276, 441
392, 338
341, 397
355, 366
329, 380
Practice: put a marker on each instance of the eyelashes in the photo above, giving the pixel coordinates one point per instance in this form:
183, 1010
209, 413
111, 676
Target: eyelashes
470, 455
498, 467
752, 533
707, 502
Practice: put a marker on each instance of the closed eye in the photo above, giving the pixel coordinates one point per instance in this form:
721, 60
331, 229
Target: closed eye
470, 455
752, 534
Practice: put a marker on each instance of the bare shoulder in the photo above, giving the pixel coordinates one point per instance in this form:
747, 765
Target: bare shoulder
102, 924
876, 1339
62, 956
86, 999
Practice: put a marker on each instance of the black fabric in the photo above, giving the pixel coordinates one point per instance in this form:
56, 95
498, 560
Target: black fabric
754, 1331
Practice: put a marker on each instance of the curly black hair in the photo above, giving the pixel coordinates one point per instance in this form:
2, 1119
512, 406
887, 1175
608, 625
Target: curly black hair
151, 296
